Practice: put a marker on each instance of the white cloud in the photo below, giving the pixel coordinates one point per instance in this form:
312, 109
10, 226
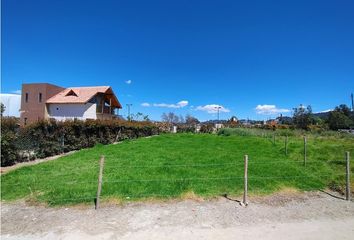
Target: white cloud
128, 81
180, 104
17, 91
325, 111
270, 109
212, 108
145, 104
12, 104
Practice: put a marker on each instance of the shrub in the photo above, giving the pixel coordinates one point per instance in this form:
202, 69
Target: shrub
239, 132
9, 129
207, 128
48, 138
186, 128
164, 126
283, 126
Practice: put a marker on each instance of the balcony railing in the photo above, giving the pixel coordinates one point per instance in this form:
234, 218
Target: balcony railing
104, 109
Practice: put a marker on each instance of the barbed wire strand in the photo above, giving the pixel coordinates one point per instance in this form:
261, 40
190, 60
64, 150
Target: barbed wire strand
263, 162
190, 179
71, 199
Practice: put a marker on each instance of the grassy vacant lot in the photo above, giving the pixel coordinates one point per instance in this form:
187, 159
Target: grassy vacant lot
174, 165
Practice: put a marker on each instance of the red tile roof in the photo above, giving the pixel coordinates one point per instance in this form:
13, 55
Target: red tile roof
82, 95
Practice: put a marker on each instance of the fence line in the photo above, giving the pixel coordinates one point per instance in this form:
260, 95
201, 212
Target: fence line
251, 162
187, 165
205, 179
56, 169
72, 199
71, 182
132, 196
126, 196
227, 164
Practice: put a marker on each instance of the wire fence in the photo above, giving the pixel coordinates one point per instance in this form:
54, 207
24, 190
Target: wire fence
109, 181
31, 178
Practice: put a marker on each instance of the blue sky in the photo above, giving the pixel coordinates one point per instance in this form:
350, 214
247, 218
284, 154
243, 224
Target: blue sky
186, 56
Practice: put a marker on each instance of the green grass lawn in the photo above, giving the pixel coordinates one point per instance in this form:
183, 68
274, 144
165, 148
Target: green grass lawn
170, 166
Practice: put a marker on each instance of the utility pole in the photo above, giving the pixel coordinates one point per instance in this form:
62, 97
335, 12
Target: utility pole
129, 105
352, 101
218, 108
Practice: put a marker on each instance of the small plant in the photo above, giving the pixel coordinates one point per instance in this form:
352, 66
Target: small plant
207, 128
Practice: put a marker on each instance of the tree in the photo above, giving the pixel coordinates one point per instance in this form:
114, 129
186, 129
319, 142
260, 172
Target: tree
303, 117
181, 119
340, 118
191, 120
343, 109
2, 108
170, 117
146, 118
140, 117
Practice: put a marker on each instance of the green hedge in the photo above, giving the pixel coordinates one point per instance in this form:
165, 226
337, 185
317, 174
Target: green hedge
9, 130
48, 138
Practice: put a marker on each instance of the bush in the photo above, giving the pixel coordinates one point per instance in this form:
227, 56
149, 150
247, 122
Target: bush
48, 138
186, 128
164, 126
283, 126
240, 132
207, 128
9, 129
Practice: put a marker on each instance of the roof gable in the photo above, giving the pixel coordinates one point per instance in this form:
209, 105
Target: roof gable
83, 95
71, 93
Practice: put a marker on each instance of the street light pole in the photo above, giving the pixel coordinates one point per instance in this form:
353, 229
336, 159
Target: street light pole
218, 108
129, 105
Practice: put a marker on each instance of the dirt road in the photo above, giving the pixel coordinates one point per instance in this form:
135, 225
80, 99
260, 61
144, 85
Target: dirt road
281, 216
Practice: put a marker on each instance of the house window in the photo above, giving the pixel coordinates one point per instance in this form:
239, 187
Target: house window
26, 97
25, 121
40, 97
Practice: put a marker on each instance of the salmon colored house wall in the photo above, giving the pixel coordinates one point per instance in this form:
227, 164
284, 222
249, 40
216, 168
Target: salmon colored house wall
33, 109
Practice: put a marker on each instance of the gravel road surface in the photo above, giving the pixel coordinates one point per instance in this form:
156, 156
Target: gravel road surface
314, 215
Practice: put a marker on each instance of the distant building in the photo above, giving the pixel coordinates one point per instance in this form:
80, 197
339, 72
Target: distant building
40, 101
245, 122
273, 122
218, 126
233, 119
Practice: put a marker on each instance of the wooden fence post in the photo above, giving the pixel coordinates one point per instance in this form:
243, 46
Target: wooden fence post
99, 187
347, 190
286, 145
245, 203
305, 150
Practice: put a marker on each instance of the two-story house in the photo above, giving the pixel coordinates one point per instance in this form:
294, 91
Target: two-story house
40, 101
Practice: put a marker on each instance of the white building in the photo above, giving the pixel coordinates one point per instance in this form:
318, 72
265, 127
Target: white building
45, 101
83, 103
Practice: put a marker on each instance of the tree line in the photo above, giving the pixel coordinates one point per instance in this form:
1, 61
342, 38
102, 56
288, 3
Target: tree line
340, 118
